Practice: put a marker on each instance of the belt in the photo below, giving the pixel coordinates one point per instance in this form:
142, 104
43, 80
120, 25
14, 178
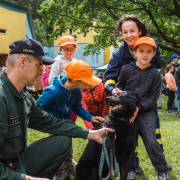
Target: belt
10, 162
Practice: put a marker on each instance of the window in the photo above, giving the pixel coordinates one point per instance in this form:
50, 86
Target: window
2, 31
70, 31
92, 57
96, 57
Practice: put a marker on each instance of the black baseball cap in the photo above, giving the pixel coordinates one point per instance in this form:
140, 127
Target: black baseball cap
31, 47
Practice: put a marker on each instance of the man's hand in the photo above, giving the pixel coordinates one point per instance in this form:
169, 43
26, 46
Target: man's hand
135, 114
35, 178
98, 119
98, 135
116, 90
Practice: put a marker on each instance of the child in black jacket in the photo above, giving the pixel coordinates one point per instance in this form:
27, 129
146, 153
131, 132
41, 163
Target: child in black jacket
142, 80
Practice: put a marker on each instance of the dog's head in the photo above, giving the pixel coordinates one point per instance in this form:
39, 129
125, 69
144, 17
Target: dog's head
123, 105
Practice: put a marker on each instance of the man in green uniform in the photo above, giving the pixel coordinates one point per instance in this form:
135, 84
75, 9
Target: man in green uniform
19, 110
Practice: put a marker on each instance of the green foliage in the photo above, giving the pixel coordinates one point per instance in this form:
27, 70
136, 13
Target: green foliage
33, 5
41, 33
39, 30
161, 16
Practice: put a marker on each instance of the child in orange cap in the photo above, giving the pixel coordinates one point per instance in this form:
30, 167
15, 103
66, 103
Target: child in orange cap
143, 80
64, 95
67, 48
45, 77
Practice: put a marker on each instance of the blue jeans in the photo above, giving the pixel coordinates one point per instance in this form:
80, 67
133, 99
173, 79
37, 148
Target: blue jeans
178, 98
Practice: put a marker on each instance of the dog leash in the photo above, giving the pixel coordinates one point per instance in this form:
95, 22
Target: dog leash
111, 163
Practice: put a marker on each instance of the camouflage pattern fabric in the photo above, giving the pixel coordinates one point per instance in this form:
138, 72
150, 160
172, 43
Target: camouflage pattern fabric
67, 168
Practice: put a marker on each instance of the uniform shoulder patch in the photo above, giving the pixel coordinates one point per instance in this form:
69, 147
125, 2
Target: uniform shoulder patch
13, 121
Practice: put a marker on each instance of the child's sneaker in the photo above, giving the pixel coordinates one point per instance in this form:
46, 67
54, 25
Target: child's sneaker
163, 176
131, 175
171, 112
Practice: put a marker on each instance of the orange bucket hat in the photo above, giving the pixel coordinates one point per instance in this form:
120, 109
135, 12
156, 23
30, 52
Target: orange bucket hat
80, 70
66, 40
145, 40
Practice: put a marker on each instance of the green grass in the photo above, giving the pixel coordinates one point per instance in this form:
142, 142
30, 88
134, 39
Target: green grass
170, 131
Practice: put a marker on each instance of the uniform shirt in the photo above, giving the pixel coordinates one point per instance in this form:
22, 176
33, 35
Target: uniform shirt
19, 111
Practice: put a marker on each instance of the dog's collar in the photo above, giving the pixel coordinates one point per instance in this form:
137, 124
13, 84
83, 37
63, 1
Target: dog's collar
122, 119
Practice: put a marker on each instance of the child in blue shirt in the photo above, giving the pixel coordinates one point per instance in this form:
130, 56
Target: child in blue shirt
64, 96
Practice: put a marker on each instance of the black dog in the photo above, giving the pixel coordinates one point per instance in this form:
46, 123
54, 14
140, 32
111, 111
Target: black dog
123, 108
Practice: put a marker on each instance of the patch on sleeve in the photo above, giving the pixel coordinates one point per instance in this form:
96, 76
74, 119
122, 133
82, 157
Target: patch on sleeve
13, 121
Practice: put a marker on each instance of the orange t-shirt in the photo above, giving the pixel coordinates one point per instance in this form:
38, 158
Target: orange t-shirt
171, 83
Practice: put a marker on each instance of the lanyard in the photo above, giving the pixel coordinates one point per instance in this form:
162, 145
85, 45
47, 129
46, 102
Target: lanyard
110, 161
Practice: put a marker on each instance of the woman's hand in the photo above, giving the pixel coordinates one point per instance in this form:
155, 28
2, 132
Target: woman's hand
135, 114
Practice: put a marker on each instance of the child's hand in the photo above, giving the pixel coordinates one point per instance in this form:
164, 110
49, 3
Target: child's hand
98, 119
135, 114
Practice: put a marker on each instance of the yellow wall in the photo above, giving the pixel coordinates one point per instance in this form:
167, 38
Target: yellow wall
15, 24
107, 54
88, 39
80, 38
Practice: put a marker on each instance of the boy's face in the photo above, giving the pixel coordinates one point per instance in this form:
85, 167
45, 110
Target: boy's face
81, 85
175, 60
90, 86
144, 54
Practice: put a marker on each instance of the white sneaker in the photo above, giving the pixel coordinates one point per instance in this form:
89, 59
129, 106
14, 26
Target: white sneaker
74, 163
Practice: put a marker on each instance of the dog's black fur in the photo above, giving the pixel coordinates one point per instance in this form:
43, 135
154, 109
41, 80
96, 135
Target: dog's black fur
124, 106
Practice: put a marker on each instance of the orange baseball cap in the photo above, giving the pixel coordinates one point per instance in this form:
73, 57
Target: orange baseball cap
145, 40
80, 70
66, 40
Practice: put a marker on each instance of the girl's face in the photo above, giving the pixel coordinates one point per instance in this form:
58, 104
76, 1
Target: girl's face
48, 69
68, 51
130, 33
171, 69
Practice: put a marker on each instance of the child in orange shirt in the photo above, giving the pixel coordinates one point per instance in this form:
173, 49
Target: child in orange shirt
93, 100
171, 87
